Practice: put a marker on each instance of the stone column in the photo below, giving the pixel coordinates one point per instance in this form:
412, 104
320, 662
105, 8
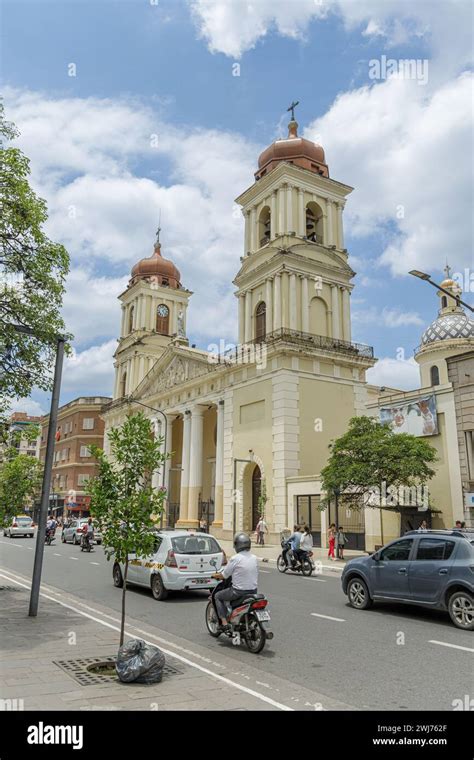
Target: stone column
123, 325
241, 298
284, 299
254, 243
248, 316
301, 228
277, 303
339, 229
195, 465
304, 305
185, 461
289, 208
269, 306
330, 223
346, 311
292, 302
273, 216
168, 449
247, 231
336, 330
281, 210
325, 229
219, 495
141, 369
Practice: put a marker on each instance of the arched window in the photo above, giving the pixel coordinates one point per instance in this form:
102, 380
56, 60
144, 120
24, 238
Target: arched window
260, 322
264, 226
123, 386
314, 223
318, 317
162, 319
434, 373
130, 318
444, 302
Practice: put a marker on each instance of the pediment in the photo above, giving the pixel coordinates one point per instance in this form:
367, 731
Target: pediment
172, 370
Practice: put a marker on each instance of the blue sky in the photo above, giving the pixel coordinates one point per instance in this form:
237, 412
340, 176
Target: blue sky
167, 68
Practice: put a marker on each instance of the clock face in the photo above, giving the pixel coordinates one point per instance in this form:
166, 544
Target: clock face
163, 310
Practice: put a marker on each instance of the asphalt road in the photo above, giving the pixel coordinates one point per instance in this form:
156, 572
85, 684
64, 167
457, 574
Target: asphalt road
389, 657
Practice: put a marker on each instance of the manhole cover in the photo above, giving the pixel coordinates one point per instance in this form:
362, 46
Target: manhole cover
78, 669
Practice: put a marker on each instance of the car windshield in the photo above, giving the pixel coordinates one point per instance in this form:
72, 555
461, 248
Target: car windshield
195, 545
24, 520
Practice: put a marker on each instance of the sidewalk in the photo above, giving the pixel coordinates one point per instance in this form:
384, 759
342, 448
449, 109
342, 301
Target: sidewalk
43, 663
271, 552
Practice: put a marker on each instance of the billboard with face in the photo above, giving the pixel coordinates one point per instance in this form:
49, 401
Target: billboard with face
417, 417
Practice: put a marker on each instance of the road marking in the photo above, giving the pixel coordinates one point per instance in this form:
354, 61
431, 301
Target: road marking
95, 563
57, 555
217, 676
452, 646
265, 571
328, 617
76, 558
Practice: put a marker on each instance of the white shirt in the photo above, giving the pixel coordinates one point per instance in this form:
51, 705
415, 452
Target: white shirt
306, 542
243, 567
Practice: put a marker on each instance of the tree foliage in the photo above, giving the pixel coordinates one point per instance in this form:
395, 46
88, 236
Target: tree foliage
123, 501
370, 454
20, 483
32, 276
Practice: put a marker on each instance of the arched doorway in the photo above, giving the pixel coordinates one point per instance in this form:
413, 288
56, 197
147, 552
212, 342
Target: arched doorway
256, 489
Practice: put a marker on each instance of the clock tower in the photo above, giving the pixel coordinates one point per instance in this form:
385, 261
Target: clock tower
154, 309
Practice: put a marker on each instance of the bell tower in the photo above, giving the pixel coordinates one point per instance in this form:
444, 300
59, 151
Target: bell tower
154, 309
294, 273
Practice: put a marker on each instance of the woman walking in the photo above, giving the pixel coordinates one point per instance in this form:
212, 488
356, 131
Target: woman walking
331, 541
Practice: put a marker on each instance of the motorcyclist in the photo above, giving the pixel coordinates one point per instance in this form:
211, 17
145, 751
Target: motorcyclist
88, 531
51, 526
243, 568
295, 540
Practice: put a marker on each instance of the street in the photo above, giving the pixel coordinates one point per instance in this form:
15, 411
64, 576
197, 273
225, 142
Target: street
387, 658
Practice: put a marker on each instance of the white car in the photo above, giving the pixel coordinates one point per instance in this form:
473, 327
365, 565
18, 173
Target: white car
74, 531
21, 525
182, 560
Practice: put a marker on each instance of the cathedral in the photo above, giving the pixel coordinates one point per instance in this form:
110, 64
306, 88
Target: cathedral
247, 431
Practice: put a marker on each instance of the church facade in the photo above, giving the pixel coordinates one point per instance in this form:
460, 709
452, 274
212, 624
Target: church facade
248, 430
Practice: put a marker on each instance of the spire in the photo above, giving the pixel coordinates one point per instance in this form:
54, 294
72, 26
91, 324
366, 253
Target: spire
157, 241
293, 125
447, 270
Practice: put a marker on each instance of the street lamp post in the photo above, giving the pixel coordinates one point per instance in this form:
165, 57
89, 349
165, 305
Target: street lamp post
427, 278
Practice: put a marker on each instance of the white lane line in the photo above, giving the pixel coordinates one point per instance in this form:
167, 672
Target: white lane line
57, 555
76, 558
95, 563
9, 543
452, 646
192, 664
328, 617
265, 571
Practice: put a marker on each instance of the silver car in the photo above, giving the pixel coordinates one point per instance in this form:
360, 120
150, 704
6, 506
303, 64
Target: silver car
73, 532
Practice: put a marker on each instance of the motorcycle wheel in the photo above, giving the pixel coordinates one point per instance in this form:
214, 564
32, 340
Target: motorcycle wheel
255, 635
212, 621
307, 568
281, 564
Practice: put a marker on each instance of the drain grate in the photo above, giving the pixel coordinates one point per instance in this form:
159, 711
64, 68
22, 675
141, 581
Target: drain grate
10, 588
78, 669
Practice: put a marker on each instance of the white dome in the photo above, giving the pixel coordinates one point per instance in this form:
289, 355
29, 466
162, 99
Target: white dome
449, 327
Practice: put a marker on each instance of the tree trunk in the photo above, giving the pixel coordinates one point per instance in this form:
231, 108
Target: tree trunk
122, 622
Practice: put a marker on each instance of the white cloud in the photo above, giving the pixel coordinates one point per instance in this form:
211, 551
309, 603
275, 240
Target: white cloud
90, 372
91, 308
387, 317
395, 373
409, 157
28, 405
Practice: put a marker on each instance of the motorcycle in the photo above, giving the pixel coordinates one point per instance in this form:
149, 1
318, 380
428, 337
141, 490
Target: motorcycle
49, 537
246, 619
86, 542
305, 566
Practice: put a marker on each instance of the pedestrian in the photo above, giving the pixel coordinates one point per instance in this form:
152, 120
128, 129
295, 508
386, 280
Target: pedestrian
202, 524
331, 541
260, 530
341, 540
423, 527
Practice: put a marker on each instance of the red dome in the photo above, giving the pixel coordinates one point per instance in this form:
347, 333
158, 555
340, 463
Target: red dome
295, 150
157, 269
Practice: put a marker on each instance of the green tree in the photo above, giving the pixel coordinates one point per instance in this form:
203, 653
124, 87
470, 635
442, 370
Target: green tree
370, 454
20, 483
32, 275
123, 501
263, 498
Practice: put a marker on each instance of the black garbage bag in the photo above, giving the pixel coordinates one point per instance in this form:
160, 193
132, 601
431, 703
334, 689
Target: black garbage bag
139, 662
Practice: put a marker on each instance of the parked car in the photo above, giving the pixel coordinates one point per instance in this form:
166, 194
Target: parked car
73, 531
182, 560
21, 525
433, 568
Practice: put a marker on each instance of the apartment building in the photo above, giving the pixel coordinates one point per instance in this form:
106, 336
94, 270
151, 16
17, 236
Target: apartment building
17, 424
79, 427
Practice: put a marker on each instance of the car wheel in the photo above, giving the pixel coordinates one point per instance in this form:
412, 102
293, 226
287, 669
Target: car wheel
461, 610
358, 594
74, 540
212, 621
63, 538
158, 589
281, 565
117, 576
